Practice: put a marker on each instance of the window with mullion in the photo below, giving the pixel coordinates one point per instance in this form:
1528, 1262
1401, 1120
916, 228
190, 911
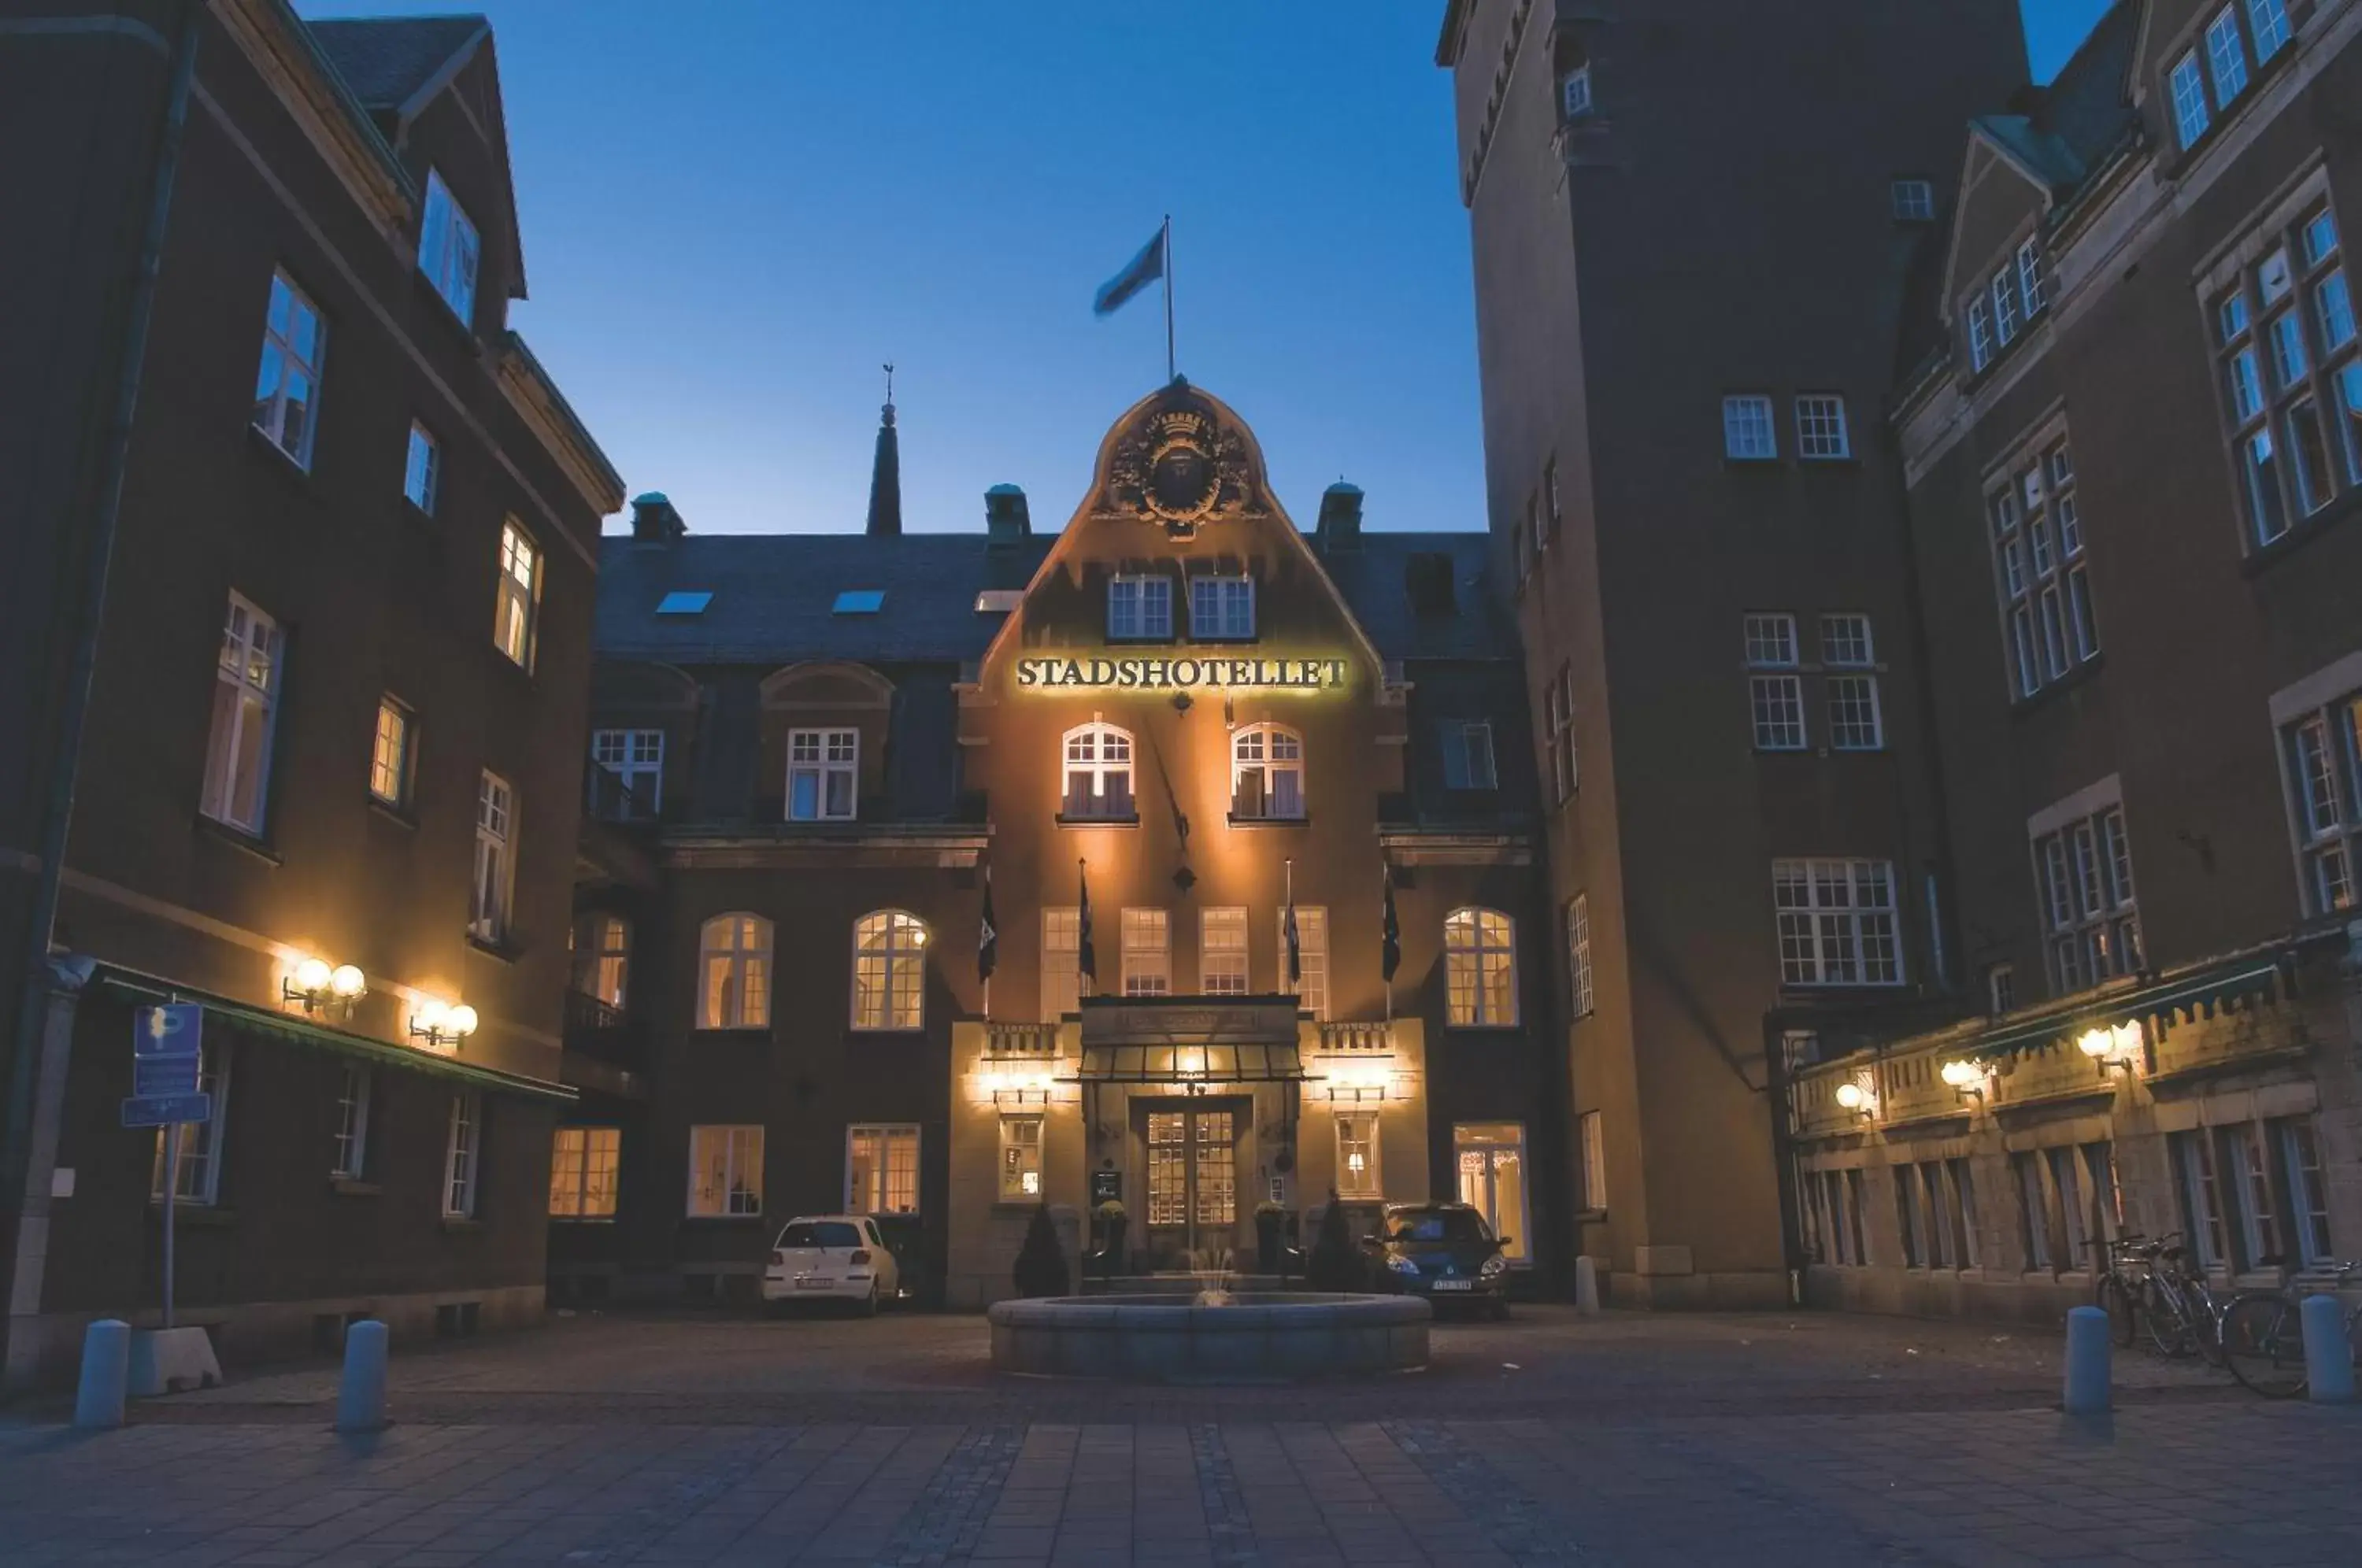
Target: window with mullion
2050, 627
1775, 691
2323, 751
2089, 908
1836, 923
1139, 609
824, 775
1222, 609
2290, 361
1559, 714
1852, 684
287, 385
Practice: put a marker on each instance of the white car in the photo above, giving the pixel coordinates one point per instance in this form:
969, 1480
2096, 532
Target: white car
831, 1257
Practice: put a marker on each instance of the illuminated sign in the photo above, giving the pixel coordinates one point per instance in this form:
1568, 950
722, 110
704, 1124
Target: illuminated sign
1101, 673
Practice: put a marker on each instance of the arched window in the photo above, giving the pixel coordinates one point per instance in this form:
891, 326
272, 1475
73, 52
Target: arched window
1266, 773
889, 971
1099, 773
734, 973
1480, 962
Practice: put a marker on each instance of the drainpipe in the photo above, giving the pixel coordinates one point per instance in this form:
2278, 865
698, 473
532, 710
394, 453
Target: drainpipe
105, 508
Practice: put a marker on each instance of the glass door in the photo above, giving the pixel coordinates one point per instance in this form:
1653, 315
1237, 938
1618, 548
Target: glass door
1491, 1160
1193, 1197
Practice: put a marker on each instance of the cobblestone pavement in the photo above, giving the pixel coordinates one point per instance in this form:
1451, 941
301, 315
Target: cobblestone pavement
1766, 1440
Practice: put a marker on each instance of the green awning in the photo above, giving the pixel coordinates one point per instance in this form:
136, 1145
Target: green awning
2178, 998
1210, 1064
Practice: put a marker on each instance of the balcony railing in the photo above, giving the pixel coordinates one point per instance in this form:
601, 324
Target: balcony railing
607, 797
587, 1015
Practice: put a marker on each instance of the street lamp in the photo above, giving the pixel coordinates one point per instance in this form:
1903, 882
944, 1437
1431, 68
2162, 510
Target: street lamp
314, 984
1966, 1078
1851, 1096
441, 1023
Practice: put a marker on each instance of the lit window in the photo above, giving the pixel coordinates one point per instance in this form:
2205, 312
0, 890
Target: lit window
1821, 427
858, 602
1099, 773
246, 711
1558, 716
1147, 954
735, 972
517, 610
632, 764
881, 1170
1578, 956
1854, 722
1468, 754
448, 249
725, 1172
1480, 969
2191, 116
1915, 201
1266, 773
287, 388
461, 1156
390, 753
488, 910
2085, 872
1836, 923
1311, 987
2324, 773
2048, 625
889, 971
1357, 1155
1062, 977
1222, 952
603, 962
1776, 700
824, 775
1746, 431
200, 1142
1139, 609
583, 1163
422, 469
1021, 1158
1491, 1161
351, 1159
1222, 609
1594, 1162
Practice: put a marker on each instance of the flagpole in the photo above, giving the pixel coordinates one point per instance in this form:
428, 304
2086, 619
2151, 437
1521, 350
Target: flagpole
1386, 894
1170, 373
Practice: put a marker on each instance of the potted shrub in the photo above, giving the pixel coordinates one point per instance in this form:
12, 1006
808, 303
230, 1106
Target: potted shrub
1268, 1216
1336, 1263
1041, 1261
1112, 1219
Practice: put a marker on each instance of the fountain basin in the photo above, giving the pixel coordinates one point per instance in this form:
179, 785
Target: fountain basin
1252, 1338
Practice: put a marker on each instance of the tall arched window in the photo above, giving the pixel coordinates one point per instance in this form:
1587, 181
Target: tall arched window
1480, 963
1099, 773
733, 970
889, 971
1266, 773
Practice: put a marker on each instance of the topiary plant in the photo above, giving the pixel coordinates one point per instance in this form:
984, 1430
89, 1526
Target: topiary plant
1336, 1263
1041, 1261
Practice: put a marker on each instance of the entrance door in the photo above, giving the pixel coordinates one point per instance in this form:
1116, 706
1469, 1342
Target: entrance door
1493, 1179
1193, 1186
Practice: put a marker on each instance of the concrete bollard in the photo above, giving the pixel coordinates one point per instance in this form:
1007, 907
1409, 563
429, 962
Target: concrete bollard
2088, 1345
1586, 1288
2328, 1355
106, 1374
360, 1397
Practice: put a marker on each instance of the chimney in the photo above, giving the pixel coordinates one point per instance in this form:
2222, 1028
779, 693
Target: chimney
653, 522
1427, 578
1005, 520
886, 480
1339, 525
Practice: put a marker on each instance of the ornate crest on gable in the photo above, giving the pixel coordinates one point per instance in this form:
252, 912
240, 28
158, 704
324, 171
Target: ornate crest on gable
1180, 463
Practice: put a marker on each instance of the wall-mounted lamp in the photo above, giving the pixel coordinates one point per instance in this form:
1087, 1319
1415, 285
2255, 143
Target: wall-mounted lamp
440, 1023
2113, 1047
1358, 1081
1966, 1079
316, 986
1858, 1098
1016, 1085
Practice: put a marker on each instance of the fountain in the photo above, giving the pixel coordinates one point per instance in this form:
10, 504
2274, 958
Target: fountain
1213, 1336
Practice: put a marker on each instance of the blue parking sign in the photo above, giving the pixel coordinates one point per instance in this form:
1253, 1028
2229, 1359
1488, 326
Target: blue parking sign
172, 1030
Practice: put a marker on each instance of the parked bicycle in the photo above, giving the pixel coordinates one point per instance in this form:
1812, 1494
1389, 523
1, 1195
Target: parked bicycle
2149, 1289
2263, 1330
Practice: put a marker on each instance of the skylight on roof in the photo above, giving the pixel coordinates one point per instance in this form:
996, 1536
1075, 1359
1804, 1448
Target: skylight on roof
684, 602
999, 600
859, 601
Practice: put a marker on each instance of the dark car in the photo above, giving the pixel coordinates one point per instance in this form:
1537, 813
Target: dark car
1445, 1251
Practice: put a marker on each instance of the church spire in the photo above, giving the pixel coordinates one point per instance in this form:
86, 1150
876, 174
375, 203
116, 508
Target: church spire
886, 472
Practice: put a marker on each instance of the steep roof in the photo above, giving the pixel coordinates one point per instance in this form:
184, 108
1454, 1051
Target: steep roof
2072, 124
386, 60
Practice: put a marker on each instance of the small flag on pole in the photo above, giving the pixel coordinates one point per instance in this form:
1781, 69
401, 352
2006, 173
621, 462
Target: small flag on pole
1087, 962
987, 936
1145, 269
1390, 954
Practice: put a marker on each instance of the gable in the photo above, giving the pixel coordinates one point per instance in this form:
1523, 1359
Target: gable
1998, 200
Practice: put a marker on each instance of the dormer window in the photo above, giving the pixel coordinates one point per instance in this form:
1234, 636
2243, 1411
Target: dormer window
2220, 63
449, 248
1139, 609
823, 770
1222, 609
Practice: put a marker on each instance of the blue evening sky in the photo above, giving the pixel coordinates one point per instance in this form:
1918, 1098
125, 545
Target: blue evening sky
734, 211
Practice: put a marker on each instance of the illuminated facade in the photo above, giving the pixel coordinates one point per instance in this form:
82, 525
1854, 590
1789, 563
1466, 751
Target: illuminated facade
1207, 716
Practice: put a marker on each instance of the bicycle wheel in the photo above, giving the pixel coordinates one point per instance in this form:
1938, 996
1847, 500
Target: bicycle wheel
2263, 1345
2167, 1322
2112, 1298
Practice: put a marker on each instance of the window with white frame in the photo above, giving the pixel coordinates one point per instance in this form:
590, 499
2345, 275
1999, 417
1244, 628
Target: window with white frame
1851, 683
1594, 1162
246, 712
2032, 295
824, 775
881, 1170
1266, 773
735, 972
725, 1172
889, 971
1311, 988
516, 610
1139, 609
1061, 974
636, 758
351, 1158
1574, 101
1775, 692
1979, 328
1748, 434
1222, 609
1578, 956
1915, 201
1021, 1158
1357, 1155
462, 1156
1836, 923
287, 388
583, 1167
1468, 754
605, 968
422, 470
1222, 952
449, 248
1821, 427
1558, 714
1480, 963
2297, 1146
2290, 359
2002, 292
391, 753
1099, 773
2205, 1219
2322, 750
1147, 954
495, 881
2089, 910
2040, 573
2001, 989
200, 1142
2217, 67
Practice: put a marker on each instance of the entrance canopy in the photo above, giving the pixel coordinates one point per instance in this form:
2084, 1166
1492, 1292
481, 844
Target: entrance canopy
1155, 1040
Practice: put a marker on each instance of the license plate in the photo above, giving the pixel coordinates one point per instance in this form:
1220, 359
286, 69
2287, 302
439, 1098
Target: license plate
1453, 1285
815, 1284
